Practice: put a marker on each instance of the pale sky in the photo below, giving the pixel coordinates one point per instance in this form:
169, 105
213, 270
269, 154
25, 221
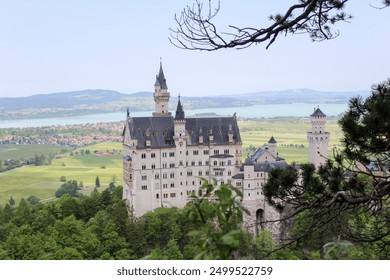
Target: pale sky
51, 46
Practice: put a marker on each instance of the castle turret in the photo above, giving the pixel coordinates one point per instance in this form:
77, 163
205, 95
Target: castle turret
272, 147
161, 95
318, 139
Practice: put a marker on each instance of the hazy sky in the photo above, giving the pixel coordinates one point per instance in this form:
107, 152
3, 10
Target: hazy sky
65, 45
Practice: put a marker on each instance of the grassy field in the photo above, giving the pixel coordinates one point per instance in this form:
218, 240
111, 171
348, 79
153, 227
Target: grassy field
43, 181
286, 131
24, 152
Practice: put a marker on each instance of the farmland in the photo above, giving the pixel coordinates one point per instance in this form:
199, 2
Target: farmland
43, 181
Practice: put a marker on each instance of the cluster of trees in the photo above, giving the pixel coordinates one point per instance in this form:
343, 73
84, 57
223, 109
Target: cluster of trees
37, 160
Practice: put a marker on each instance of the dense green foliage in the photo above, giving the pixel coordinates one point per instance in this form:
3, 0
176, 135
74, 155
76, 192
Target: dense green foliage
99, 227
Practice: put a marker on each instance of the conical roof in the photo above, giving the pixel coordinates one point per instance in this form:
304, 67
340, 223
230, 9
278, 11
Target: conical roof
179, 111
318, 113
160, 79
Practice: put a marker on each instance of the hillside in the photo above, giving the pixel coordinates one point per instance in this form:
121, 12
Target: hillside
96, 101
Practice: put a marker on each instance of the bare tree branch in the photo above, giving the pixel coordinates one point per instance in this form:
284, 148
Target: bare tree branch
196, 31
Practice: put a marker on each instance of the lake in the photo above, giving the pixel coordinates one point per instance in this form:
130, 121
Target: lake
256, 111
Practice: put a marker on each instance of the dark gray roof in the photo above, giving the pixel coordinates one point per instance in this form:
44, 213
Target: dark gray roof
161, 130
318, 113
258, 154
217, 126
238, 176
266, 166
272, 140
160, 79
221, 156
179, 111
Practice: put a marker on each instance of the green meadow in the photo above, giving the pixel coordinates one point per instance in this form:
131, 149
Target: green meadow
43, 181
24, 152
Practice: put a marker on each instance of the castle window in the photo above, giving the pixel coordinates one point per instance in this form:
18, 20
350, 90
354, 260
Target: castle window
165, 195
229, 162
200, 173
144, 187
207, 162
249, 194
153, 166
216, 152
172, 175
200, 162
238, 184
171, 154
165, 165
144, 177
189, 173
157, 176
205, 152
155, 133
165, 176
152, 155
173, 195
157, 196
164, 154
143, 166
229, 173
165, 186
195, 153
226, 151
172, 165
215, 163
207, 173
172, 185
143, 155
193, 163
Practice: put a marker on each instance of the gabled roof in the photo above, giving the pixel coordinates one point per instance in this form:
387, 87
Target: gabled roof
318, 113
161, 130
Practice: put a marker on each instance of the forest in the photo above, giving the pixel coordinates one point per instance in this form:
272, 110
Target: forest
99, 227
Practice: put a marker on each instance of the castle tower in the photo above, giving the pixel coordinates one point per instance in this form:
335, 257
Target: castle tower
272, 146
161, 95
318, 139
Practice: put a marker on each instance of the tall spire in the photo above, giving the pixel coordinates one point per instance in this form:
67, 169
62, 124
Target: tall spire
179, 111
160, 78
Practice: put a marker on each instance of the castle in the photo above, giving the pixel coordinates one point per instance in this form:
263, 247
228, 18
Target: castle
166, 156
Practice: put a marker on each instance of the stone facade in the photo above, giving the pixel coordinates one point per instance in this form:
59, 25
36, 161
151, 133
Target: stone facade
318, 139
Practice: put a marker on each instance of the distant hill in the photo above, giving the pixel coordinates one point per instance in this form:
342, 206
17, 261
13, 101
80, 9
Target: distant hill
96, 101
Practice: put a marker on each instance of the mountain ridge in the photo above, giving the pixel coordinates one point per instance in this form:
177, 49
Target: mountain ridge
93, 101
